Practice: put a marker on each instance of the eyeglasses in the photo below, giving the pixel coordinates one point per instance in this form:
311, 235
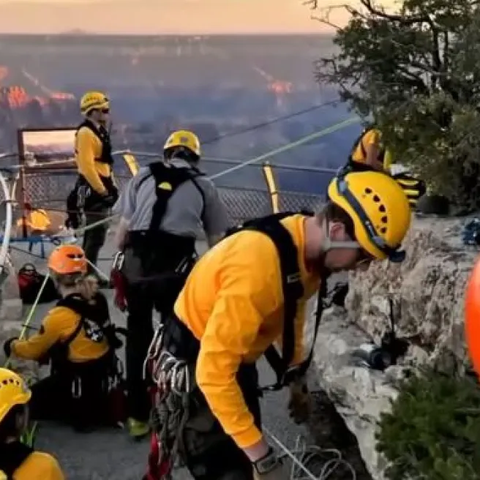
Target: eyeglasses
105, 110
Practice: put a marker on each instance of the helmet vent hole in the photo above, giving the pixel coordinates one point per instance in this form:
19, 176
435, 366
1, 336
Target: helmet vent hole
382, 209
368, 191
383, 230
376, 198
384, 219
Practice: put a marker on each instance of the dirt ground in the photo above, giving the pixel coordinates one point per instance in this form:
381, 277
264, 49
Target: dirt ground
329, 431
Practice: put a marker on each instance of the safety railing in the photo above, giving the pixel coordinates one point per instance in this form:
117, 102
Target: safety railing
48, 187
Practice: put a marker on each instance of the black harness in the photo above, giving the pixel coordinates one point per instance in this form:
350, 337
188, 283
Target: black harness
102, 134
165, 258
83, 197
12, 456
58, 353
167, 180
292, 292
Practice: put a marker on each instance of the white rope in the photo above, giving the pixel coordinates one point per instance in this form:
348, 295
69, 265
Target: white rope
302, 454
288, 146
8, 222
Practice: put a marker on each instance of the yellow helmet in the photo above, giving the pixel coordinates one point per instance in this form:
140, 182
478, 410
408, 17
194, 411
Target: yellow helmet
13, 391
378, 208
94, 100
186, 139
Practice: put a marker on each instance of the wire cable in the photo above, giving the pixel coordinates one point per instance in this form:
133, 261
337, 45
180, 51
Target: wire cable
267, 123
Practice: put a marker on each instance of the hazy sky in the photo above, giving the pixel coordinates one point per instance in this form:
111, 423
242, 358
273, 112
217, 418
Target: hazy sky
161, 16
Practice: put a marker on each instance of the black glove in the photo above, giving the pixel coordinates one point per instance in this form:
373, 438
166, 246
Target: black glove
7, 346
72, 221
109, 200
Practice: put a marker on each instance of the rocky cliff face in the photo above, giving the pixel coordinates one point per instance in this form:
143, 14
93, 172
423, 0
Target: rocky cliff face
428, 293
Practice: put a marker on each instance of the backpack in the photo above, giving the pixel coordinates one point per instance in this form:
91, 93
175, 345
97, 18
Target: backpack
30, 282
93, 319
292, 292
414, 188
58, 352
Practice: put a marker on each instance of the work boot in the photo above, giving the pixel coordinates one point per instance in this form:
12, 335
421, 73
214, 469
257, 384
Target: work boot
137, 429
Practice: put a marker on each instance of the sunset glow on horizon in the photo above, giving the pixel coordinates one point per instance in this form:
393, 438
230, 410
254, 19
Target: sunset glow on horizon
165, 16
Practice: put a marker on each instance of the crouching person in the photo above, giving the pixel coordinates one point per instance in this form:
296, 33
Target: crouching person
17, 460
79, 341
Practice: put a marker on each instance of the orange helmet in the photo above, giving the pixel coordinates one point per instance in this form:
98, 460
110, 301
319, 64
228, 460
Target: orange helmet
472, 317
67, 259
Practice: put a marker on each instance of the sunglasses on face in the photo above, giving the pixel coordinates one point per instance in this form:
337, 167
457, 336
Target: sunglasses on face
105, 110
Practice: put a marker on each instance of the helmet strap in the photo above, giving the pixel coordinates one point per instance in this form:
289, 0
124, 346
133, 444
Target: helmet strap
329, 244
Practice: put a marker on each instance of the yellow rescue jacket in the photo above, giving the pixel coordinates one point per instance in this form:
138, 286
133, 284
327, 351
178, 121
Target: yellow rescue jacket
233, 304
371, 136
21, 462
93, 156
58, 326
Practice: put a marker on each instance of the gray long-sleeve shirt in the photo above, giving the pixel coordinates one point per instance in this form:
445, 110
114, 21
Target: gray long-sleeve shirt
183, 215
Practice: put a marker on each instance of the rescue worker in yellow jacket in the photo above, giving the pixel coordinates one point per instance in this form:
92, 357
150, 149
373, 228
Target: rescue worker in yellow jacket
369, 152
18, 460
246, 293
95, 191
78, 340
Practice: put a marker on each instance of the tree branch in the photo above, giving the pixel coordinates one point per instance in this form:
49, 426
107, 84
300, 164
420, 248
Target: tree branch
325, 13
368, 4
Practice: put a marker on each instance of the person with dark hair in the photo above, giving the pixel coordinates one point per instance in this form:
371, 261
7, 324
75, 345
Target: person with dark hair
243, 296
17, 460
162, 211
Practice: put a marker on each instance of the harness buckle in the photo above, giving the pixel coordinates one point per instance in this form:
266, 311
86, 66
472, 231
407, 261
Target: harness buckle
290, 375
118, 260
76, 388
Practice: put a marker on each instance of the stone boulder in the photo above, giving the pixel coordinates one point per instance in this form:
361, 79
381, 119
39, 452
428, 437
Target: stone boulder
427, 291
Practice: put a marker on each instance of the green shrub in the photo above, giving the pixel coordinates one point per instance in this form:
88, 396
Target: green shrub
415, 71
433, 430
